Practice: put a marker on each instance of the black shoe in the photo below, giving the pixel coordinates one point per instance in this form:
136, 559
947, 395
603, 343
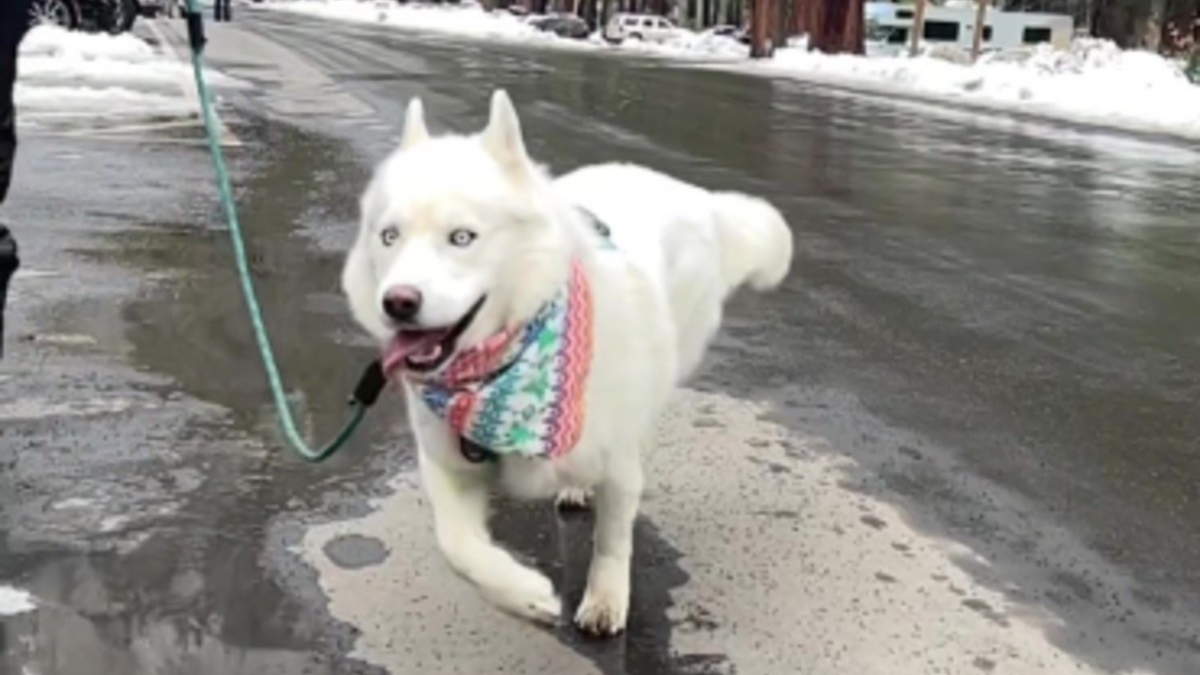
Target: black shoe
8, 266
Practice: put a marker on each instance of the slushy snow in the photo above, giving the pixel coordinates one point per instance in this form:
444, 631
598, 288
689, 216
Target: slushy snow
14, 601
1093, 82
465, 19
101, 75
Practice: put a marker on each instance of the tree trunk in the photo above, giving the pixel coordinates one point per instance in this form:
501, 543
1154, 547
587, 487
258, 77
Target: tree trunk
798, 24
779, 23
977, 35
590, 15
918, 29
1121, 21
760, 28
1153, 30
836, 26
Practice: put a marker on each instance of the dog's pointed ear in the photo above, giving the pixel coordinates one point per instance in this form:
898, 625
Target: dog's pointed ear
415, 131
502, 137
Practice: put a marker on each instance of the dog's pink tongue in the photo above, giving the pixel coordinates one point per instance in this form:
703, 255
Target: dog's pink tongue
404, 345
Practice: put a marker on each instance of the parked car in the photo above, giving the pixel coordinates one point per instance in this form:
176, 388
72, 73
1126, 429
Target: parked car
63, 13
562, 24
648, 27
730, 31
113, 16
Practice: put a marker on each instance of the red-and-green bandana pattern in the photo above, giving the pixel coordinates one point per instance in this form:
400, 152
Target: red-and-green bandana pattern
521, 391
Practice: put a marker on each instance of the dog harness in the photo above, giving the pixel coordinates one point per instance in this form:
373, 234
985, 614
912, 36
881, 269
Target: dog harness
520, 392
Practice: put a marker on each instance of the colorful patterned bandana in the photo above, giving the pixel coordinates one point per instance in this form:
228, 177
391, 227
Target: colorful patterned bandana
521, 391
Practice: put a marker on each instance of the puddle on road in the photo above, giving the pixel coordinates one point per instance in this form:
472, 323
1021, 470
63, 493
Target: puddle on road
199, 581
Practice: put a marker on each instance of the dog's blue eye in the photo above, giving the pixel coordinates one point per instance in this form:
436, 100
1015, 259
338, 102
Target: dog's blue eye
389, 235
462, 237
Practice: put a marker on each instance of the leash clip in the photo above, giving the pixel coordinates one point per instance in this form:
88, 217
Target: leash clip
370, 385
195, 29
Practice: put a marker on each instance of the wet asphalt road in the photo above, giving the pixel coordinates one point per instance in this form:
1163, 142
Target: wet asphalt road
991, 324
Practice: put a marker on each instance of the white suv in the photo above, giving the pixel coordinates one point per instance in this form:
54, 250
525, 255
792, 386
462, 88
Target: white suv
648, 27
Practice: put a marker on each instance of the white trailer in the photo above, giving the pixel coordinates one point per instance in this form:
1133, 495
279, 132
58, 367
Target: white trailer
889, 27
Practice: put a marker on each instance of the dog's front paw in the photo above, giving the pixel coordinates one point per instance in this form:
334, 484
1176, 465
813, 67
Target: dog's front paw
603, 613
527, 594
573, 499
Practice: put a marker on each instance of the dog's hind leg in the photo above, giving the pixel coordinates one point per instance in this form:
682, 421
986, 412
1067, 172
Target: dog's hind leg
605, 606
459, 500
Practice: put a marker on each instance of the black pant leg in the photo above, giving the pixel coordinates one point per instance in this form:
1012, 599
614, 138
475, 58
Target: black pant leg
14, 21
8, 116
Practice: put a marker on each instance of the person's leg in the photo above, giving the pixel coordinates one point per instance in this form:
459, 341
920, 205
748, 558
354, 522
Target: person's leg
8, 149
8, 266
8, 122
14, 17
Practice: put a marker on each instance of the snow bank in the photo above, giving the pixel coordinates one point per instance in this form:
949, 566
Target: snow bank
466, 19
14, 601
689, 45
52, 42
1093, 82
99, 74
105, 102
51, 57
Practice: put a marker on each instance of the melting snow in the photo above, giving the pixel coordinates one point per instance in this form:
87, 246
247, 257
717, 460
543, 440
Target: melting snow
15, 601
64, 72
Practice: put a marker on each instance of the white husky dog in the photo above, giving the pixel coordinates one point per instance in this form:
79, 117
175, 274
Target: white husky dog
516, 322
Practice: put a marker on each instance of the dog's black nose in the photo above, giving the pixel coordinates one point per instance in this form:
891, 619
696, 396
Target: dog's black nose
402, 303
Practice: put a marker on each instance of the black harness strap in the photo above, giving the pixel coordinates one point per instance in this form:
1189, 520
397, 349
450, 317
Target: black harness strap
370, 385
476, 453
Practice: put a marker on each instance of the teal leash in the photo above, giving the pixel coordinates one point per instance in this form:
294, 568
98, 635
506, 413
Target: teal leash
372, 382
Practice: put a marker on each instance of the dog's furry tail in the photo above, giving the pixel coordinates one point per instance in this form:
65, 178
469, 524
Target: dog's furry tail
756, 243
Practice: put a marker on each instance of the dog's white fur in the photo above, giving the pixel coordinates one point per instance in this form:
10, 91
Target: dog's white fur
679, 252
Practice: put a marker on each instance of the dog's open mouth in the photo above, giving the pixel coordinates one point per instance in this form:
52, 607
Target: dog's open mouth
426, 350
